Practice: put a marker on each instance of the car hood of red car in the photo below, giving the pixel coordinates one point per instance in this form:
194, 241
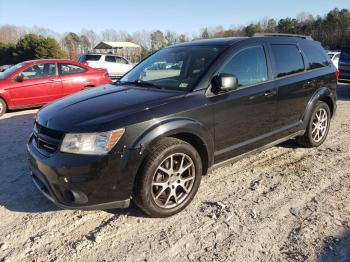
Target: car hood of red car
104, 108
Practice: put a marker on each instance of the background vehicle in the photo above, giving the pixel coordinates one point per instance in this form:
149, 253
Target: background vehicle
116, 66
153, 135
334, 56
37, 82
4, 67
344, 64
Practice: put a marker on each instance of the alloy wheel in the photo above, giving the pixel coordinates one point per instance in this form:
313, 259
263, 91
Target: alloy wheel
319, 125
173, 180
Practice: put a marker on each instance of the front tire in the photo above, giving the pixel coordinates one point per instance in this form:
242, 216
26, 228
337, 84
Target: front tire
317, 128
3, 107
170, 178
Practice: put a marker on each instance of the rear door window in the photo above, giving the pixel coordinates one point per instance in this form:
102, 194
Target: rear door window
69, 69
85, 58
110, 59
316, 57
288, 59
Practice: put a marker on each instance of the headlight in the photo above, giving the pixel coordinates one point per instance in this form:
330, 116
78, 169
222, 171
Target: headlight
91, 143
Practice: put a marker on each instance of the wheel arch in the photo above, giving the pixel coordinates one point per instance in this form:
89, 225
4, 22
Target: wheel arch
3, 97
323, 94
188, 130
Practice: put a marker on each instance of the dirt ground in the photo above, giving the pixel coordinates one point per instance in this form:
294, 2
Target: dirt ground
284, 204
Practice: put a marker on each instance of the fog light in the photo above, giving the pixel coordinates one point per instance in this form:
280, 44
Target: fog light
76, 197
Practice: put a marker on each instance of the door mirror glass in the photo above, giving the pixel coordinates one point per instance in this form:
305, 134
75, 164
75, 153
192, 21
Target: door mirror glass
224, 83
19, 78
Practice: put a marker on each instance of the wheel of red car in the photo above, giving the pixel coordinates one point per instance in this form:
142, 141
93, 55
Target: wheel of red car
170, 178
3, 107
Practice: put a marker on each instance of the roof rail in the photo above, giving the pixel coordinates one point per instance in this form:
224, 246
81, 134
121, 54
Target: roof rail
282, 35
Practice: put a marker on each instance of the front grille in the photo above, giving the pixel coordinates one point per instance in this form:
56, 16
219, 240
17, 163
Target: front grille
45, 139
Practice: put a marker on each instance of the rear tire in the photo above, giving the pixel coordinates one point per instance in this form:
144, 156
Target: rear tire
317, 128
3, 107
170, 178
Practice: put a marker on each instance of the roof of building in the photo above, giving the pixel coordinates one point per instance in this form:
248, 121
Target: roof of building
115, 45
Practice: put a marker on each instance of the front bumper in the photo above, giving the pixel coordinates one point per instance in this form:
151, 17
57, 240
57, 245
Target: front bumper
83, 181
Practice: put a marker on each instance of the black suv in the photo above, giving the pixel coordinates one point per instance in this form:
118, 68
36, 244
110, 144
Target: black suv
151, 136
344, 64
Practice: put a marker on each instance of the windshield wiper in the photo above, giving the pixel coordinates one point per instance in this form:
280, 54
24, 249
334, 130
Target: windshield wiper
139, 82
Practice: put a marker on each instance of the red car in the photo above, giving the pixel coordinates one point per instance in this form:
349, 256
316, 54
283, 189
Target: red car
35, 83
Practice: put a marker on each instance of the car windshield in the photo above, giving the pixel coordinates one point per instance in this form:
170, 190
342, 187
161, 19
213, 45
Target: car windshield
176, 68
11, 70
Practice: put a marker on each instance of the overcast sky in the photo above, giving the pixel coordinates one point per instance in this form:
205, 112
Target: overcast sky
134, 15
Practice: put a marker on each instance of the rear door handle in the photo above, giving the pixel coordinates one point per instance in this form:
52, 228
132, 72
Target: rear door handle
309, 83
270, 93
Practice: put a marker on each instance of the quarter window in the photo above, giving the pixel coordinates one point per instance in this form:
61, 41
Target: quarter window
288, 60
248, 65
68, 69
316, 57
40, 71
121, 60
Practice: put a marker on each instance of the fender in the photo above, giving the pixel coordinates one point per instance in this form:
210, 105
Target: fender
319, 94
171, 127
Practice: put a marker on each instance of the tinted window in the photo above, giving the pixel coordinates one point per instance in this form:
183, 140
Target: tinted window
316, 57
110, 58
40, 71
345, 54
288, 60
248, 65
68, 69
89, 58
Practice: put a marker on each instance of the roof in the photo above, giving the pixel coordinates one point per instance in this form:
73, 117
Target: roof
233, 40
282, 35
113, 45
214, 41
49, 60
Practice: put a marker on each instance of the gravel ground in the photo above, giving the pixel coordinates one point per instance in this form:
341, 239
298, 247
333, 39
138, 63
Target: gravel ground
284, 204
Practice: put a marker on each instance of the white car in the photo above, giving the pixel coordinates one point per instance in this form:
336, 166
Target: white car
334, 56
116, 66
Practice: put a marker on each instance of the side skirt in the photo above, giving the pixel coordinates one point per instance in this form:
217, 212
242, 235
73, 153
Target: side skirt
257, 150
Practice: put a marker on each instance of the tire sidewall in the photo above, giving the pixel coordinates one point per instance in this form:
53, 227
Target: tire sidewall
4, 107
319, 105
154, 209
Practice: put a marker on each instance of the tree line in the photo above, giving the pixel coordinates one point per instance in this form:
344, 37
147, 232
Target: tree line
21, 43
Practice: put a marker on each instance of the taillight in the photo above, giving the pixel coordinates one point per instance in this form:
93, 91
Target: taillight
337, 74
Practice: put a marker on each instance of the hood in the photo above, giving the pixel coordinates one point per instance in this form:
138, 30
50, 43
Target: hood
103, 108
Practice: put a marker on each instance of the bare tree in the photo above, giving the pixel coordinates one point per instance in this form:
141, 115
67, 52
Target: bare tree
9, 34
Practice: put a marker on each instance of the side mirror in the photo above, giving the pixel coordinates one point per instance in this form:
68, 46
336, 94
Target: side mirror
224, 83
19, 78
